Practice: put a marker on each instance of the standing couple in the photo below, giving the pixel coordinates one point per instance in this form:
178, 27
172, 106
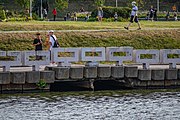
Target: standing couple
51, 42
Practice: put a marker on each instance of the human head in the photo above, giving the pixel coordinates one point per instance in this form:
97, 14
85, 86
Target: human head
133, 3
51, 32
38, 34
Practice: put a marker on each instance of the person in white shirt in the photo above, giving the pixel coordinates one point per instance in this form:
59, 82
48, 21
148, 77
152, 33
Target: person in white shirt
53, 44
134, 16
53, 40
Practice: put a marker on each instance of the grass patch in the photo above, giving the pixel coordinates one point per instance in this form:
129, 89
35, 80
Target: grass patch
147, 39
71, 25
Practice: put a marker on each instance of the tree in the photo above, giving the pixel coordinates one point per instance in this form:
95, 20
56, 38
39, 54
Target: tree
99, 2
140, 3
61, 4
23, 3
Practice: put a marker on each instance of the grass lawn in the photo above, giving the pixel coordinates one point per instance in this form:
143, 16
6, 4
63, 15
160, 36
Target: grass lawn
71, 25
150, 37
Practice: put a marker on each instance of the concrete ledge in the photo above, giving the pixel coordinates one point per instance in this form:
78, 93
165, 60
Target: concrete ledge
18, 77
142, 84
157, 83
170, 82
104, 71
48, 76
61, 73
171, 74
157, 74
76, 73
178, 74
131, 71
144, 74
32, 76
90, 72
117, 71
4, 78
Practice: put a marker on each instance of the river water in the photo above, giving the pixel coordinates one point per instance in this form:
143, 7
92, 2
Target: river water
106, 106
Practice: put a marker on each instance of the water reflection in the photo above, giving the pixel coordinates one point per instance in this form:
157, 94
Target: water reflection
154, 106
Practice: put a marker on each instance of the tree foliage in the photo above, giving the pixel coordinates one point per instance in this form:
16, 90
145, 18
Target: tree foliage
61, 4
2, 13
23, 3
99, 3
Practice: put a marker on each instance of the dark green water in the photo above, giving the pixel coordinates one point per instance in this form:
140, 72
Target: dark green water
102, 105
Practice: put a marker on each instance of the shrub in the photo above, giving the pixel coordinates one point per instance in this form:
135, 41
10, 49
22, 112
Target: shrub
123, 12
41, 84
19, 19
2, 14
92, 19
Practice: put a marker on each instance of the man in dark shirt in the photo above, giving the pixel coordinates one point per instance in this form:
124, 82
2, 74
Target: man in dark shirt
38, 45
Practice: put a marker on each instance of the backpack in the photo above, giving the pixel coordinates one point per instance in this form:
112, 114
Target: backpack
56, 44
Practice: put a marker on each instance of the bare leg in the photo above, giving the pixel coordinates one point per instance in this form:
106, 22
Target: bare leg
128, 26
139, 25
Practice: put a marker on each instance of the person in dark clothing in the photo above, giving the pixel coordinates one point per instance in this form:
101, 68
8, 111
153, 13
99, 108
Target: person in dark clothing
151, 11
167, 16
38, 45
155, 14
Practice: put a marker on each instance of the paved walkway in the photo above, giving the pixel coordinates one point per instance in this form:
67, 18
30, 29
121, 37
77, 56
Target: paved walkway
18, 69
100, 30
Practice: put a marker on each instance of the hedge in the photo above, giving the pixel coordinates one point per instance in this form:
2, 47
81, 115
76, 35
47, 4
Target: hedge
123, 12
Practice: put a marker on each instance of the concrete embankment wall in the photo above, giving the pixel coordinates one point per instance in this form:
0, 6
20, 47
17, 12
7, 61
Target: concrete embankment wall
90, 78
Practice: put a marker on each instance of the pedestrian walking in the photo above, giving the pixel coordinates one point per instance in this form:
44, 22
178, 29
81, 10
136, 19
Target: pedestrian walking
45, 13
115, 17
151, 11
155, 14
175, 16
167, 16
134, 17
54, 13
100, 14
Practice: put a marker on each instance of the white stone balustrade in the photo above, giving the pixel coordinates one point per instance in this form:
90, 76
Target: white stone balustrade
170, 56
146, 57
15, 62
125, 51
65, 56
27, 60
93, 55
65, 60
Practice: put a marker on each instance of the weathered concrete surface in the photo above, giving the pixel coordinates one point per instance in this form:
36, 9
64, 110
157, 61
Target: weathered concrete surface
144, 74
4, 78
23, 87
156, 83
18, 77
61, 73
76, 73
171, 74
131, 71
178, 74
158, 74
32, 76
117, 71
104, 71
90, 72
142, 83
47, 76
168, 83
